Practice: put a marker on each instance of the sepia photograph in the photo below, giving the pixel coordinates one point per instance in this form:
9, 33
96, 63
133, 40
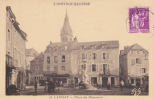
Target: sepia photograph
78, 47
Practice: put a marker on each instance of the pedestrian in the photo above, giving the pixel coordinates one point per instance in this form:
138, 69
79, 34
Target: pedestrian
35, 86
108, 85
53, 86
46, 86
122, 85
49, 86
61, 83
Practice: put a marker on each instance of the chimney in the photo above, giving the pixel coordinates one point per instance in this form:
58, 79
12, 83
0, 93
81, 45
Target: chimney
121, 52
126, 47
50, 42
75, 39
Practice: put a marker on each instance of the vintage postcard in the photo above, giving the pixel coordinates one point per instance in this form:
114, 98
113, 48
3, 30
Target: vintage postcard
77, 49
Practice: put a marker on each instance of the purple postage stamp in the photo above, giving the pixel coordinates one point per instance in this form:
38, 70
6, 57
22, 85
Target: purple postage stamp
139, 20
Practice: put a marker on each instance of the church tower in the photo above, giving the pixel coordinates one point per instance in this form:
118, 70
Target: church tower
66, 32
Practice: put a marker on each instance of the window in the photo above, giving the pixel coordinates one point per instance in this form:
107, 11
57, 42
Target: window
55, 69
84, 67
104, 68
132, 81
93, 67
55, 48
100, 68
9, 34
138, 52
143, 70
133, 61
63, 58
132, 51
63, 68
93, 55
83, 56
55, 59
138, 60
48, 69
48, 60
64, 80
105, 55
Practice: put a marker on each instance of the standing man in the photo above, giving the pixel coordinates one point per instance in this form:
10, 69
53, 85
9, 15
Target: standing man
35, 86
122, 85
108, 85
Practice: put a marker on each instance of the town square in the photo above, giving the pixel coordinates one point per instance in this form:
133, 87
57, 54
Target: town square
54, 58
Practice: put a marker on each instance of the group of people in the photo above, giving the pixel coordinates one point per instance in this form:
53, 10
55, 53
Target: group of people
50, 85
121, 85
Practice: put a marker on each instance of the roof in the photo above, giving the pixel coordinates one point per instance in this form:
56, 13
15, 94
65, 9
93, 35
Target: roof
31, 52
40, 56
66, 27
87, 45
16, 24
8, 8
96, 44
132, 47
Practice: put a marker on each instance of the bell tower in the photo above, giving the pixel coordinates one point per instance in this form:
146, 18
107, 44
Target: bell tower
66, 32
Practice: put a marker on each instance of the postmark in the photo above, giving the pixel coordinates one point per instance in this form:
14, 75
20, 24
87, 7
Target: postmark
139, 20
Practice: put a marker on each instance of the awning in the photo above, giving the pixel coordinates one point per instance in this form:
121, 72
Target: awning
57, 75
10, 67
28, 71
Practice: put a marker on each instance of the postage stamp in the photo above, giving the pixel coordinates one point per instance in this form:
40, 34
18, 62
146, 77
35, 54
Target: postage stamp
139, 20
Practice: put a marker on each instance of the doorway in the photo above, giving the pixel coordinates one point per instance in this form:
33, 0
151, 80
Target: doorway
104, 81
112, 80
138, 82
94, 81
75, 80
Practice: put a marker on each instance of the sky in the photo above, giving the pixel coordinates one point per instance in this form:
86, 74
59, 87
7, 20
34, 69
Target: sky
100, 21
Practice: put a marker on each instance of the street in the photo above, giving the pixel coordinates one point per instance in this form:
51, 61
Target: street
70, 91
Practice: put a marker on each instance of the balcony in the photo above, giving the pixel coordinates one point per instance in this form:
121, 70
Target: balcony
11, 62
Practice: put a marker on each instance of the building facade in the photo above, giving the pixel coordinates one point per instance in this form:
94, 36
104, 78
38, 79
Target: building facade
72, 61
15, 51
134, 64
36, 68
30, 55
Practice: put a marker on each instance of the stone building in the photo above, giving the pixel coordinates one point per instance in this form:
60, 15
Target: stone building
30, 55
134, 64
91, 62
15, 51
36, 68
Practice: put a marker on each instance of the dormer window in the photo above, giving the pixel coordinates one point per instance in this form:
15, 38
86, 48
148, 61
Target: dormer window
82, 47
55, 48
65, 47
93, 46
12, 20
104, 46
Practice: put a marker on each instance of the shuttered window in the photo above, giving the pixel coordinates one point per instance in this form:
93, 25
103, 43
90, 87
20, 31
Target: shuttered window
100, 68
138, 61
48, 60
89, 68
105, 55
133, 61
93, 67
104, 69
94, 55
